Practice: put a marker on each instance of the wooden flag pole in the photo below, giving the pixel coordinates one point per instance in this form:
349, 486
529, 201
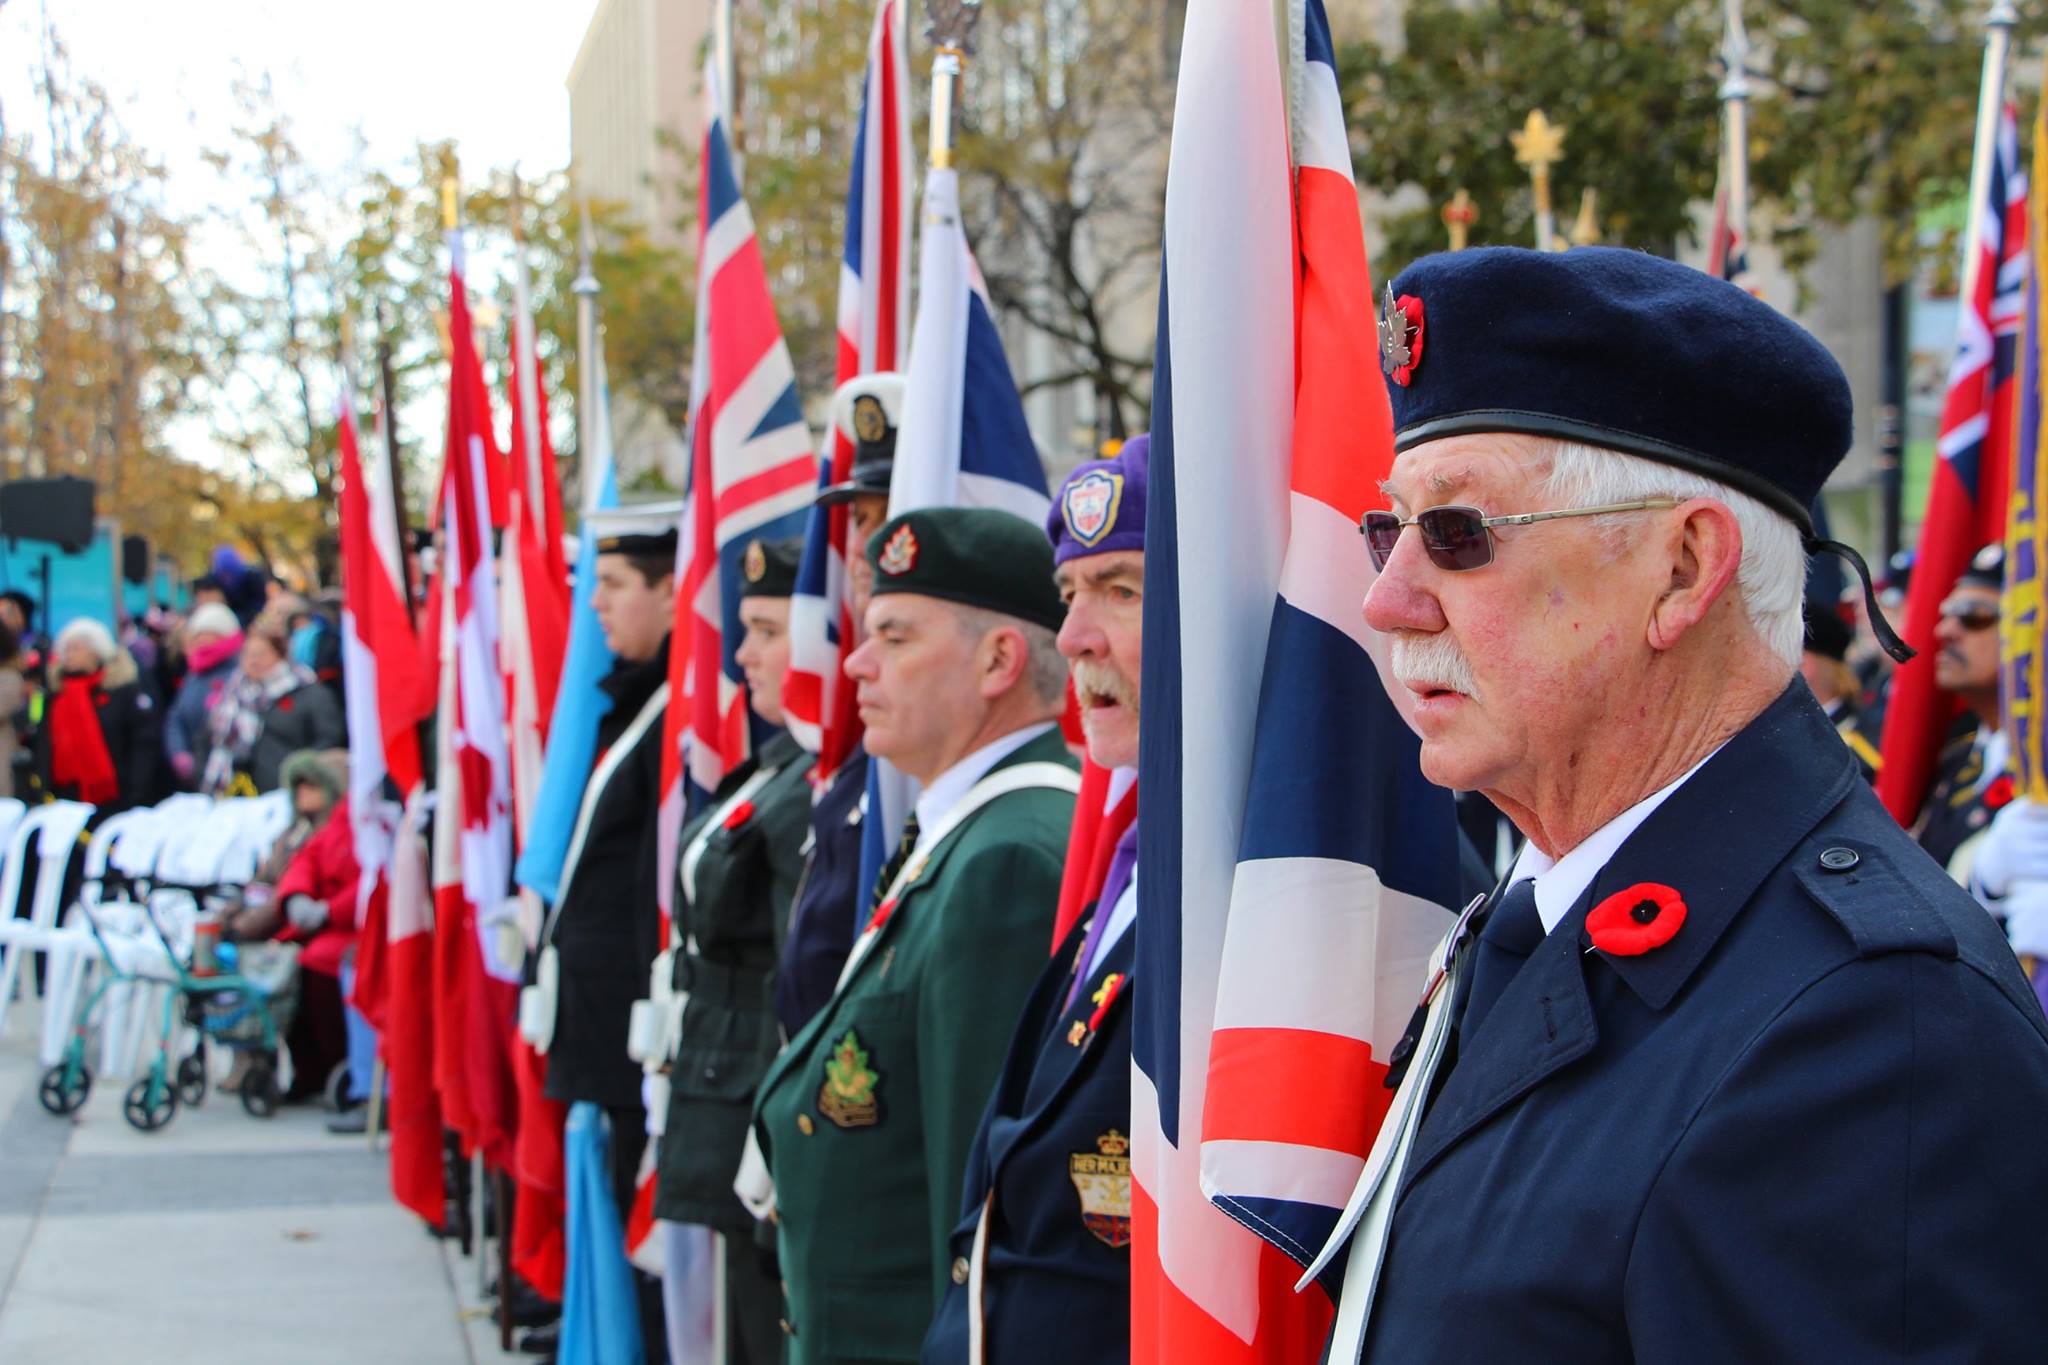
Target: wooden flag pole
1998, 26
1539, 146
951, 29
1735, 121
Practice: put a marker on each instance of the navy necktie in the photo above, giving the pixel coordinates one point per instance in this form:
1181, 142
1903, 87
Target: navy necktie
1512, 932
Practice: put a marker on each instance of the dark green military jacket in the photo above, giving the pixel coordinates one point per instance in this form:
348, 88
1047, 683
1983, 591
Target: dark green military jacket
738, 871
867, 1117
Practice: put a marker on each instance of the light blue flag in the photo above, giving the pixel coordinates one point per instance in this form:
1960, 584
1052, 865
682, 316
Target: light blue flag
580, 704
600, 1313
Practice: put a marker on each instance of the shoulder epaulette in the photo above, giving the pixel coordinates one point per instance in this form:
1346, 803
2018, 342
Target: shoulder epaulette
1880, 909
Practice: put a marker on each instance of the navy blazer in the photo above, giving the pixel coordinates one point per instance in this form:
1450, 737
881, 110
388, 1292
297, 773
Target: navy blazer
1805, 1129
1054, 1148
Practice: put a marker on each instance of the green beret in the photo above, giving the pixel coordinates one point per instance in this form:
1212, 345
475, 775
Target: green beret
976, 556
768, 567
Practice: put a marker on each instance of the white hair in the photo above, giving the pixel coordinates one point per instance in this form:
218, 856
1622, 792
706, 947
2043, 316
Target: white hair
1771, 582
1045, 672
97, 638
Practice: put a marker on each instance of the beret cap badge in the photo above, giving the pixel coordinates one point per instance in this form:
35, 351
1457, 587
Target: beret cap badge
755, 564
870, 423
1089, 505
1400, 336
899, 554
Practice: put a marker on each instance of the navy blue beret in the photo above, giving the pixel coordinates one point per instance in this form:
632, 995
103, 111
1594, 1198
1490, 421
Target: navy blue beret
1619, 349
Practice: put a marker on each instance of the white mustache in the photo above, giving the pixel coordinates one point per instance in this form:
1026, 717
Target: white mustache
1099, 679
1433, 661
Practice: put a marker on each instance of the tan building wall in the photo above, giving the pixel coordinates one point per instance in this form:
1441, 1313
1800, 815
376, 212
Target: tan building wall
634, 79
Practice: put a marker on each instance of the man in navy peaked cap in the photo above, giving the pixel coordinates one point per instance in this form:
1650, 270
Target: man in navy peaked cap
1726, 1069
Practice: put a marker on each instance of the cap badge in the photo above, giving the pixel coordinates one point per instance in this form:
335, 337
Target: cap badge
1090, 504
899, 553
755, 563
870, 423
1102, 1178
1400, 336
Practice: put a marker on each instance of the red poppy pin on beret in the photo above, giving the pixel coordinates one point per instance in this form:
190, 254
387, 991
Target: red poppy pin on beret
1630, 923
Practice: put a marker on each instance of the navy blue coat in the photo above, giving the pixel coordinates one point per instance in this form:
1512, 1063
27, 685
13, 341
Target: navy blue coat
830, 904
1052, 1143
1805, 1129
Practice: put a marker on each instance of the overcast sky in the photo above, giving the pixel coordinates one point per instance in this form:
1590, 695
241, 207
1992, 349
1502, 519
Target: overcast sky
487, 74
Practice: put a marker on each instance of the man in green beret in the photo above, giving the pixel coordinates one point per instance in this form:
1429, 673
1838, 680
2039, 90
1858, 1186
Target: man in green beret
866, 1118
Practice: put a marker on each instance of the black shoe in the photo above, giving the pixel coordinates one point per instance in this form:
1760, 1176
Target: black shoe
539, 1341
531, 1309
351, 1122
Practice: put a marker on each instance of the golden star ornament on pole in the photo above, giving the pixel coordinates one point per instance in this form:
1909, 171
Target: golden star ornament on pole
1539, 146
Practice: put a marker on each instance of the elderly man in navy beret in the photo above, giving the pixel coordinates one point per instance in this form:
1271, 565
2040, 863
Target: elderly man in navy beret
1726, 1069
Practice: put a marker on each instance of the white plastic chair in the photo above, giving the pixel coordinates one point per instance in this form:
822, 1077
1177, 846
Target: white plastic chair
50, 834
70, 954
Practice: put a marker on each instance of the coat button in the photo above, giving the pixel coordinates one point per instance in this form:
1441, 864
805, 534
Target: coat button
804, 1125
1839, 859
960, 1270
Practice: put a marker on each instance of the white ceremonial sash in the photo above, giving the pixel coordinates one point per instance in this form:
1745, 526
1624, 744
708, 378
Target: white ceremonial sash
1369, 1213
1001, 782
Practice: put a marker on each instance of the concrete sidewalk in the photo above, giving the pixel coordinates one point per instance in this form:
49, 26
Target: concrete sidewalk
218, 1238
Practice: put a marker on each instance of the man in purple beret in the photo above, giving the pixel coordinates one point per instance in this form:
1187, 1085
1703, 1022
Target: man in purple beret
1041, 1256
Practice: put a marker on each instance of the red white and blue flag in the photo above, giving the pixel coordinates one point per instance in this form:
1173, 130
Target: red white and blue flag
751, 476
963, 441
874, 317
1292, 859
1972, 473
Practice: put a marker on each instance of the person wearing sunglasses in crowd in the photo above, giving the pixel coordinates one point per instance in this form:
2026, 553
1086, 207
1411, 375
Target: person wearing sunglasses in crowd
1967, 789
1696, 1082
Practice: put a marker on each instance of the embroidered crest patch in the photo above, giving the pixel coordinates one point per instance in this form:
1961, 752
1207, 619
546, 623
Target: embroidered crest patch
847, 1098
1103, 1180
1089, 505
899, 555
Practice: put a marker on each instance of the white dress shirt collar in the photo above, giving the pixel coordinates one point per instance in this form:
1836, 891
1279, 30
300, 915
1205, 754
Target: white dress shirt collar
945, 791
1560, 882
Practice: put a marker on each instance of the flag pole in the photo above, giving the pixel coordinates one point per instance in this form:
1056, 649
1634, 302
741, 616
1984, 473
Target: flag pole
951, 30
587, 396
1539, 145
1735, 120
387, 421
1998, 26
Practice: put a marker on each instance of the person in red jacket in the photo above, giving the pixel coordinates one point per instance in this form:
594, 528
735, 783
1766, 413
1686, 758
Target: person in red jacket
317, 891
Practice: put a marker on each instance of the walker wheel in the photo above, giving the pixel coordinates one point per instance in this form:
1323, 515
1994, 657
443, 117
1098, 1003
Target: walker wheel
64, 1089
150, 1104
260, 1095
192, 1080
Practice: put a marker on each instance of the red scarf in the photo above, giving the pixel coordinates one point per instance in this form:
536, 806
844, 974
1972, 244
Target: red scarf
78, 747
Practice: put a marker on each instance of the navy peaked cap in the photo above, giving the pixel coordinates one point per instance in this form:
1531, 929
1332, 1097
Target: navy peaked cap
1619, 349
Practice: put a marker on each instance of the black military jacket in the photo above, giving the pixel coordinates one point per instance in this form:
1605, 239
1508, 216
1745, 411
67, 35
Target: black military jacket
606, 928
732, 905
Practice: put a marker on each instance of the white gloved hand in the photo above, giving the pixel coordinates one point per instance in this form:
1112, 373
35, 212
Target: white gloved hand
2026, 919
305, 913
2014, 850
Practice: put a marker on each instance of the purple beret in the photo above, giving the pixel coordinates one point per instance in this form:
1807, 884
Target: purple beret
1101, 506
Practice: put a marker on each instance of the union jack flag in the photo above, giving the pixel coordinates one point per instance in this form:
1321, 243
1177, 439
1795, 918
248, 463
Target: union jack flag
1966, 507
1292, 859
751, 476
874, 306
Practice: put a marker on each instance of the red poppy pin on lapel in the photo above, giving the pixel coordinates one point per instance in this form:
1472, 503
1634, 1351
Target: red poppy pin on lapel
739, 815
1630, 923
